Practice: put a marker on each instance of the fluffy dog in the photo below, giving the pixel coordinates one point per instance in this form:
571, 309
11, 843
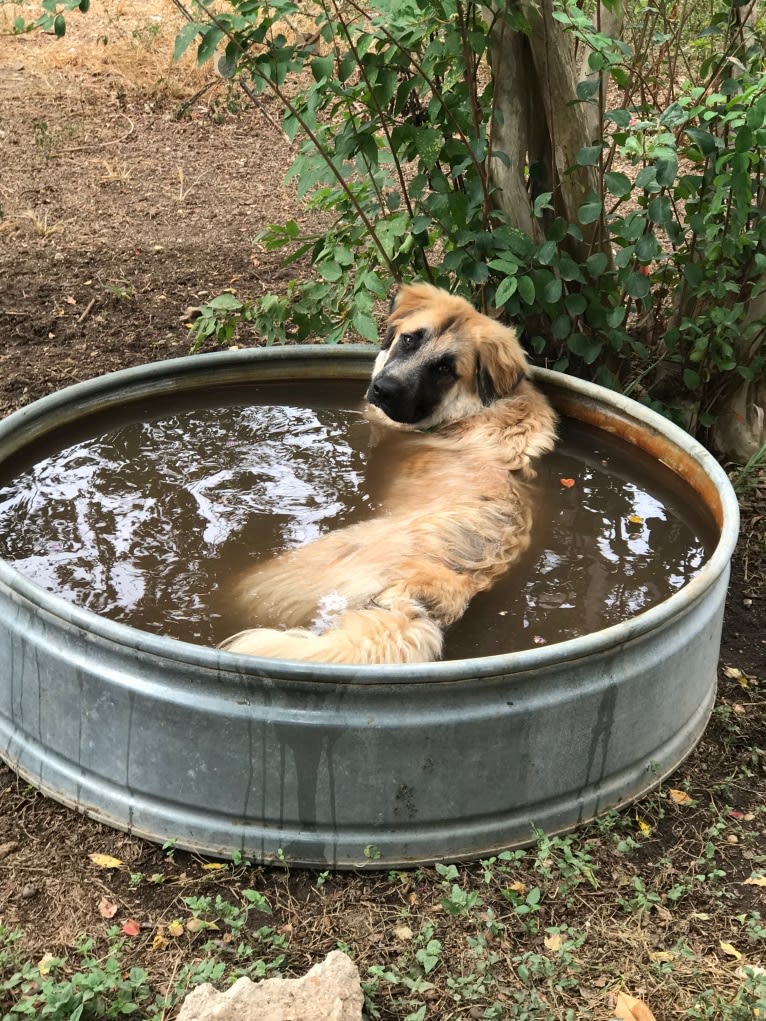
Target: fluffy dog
450, 394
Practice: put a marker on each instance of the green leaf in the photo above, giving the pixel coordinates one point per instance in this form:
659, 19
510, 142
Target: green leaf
59, 26
617, 184
506, 289
704, 141
557, 230
428, 143
646, 178
659, 210
84, 6
365, 326
674, 116
476, 272
615, 316
693, 273
647, 248
569, 269
561, 327
575, 303
211, 37
621, 118
589, 211
691, 379
329, 271
637, 285
587, 89
744, 141
546, 253
585, 347
666, 171
552, 291
543, 201
225, 302
185, 38
596, 264
588, 156
321, 68
526, 289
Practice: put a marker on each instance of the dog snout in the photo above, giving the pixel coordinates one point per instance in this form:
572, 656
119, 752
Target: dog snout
383, 389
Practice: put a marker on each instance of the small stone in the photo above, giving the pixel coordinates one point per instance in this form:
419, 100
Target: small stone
747, 603
732, 838
30, 890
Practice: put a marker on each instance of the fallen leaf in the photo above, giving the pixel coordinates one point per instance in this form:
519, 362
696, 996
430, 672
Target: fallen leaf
554, 942
628, 1008
660, 956
680, 797
158, 941
214, 866
567, 483
106, 908
70, 300
644, 827
739, 709
634, 519
403, 932
175, 928
131, 927
198, 924
735, 674
755, 881
729, 950
106, 861
518, 887
44, 964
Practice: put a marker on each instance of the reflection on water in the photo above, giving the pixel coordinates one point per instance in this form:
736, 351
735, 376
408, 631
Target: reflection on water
148, 522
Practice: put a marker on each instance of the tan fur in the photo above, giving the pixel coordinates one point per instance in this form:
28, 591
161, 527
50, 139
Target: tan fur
455, 514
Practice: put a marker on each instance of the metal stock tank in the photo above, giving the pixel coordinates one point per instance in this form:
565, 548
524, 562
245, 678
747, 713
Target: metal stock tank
337, 766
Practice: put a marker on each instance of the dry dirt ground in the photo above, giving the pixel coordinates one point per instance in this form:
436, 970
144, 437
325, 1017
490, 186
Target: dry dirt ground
122, 203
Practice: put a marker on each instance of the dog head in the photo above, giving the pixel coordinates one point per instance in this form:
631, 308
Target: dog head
441, 360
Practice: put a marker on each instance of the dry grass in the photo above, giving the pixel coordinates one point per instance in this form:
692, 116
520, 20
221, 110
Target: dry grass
128, 39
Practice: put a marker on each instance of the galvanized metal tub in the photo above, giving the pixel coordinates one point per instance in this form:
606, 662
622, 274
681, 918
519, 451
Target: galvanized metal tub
333, 766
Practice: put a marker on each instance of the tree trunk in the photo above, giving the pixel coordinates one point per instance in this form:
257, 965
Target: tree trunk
543, 132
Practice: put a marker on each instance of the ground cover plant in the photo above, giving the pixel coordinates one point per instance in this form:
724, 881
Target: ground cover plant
125, 200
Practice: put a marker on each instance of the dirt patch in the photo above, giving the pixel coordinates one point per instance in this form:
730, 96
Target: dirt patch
116, 216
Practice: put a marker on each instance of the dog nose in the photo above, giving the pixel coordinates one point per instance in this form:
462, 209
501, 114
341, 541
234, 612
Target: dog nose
381, 388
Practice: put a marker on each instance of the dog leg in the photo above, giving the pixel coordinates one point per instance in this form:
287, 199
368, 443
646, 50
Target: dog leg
396, 630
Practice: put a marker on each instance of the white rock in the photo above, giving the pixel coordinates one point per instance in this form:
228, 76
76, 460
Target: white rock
330, 991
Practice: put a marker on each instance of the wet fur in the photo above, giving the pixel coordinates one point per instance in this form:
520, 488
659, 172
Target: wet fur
466, 426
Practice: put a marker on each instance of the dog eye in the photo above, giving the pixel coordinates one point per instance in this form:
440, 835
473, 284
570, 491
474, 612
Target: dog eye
408, 341
445, 368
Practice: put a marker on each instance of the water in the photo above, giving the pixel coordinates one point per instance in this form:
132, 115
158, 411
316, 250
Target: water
150, 519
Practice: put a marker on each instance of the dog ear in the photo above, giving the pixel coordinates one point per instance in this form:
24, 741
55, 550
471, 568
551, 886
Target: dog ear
501, 363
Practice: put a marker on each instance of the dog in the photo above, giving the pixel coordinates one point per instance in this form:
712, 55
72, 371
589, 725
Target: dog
453, 407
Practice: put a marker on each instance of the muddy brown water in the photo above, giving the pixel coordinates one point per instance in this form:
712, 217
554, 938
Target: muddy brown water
148, 519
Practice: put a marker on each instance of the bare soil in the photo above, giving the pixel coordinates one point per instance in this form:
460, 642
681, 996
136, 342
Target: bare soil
116, 214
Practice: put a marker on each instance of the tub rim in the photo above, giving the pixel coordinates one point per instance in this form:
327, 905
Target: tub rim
148, 379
